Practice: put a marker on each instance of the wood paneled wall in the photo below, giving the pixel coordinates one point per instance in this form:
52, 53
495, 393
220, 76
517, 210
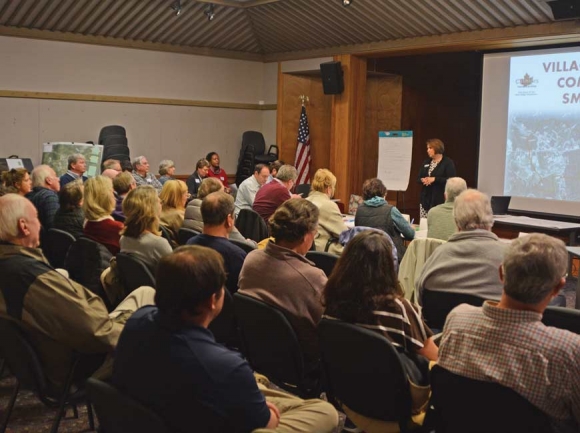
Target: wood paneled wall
441, 99
318, 111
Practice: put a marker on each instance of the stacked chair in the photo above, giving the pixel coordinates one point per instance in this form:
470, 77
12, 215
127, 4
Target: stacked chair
114, 141
253, 152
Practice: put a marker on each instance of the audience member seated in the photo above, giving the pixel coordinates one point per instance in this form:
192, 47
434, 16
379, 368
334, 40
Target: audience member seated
142, 175
375, 212
273, 194
219, 173
122, 184
77, 166
166, 171
98, 203
173, 199
506, 342
57, 314
193, 219
70, 216
280, 275
17, 181
45, 186
363, 289
274, 167
141, 236
468, 261
217, 211
112, 164
330, 222
190, 369
440, 222
194, 181
249, 187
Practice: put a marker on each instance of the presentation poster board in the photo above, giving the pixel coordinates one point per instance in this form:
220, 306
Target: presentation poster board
395, 153
56, 155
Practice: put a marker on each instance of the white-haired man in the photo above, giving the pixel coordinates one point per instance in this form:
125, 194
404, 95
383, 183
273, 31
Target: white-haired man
468, 261
45, 186
507, 343
440, 221
273, 194
58, 314
77, 166
142, 175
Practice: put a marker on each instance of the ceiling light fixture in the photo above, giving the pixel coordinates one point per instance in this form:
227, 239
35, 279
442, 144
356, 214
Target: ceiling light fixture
209, 12
176, 7
346, 2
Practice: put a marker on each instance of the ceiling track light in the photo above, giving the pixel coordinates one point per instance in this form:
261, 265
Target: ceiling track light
346, 2
176, 7
209, 12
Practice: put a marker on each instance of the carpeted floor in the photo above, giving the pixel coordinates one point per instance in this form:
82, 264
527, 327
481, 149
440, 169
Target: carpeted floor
30, 415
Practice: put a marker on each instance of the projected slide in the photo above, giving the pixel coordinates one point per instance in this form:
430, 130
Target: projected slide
543, 133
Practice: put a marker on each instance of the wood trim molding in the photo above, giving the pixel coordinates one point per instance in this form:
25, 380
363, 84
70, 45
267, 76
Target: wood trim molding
134, 100
561, 32
237, 5
20, 32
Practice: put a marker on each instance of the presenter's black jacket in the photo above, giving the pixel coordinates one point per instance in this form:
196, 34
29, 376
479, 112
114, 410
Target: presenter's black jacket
433, 194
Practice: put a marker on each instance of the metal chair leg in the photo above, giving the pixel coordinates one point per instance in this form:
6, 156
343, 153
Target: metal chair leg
64, 397
10, 407
90, 415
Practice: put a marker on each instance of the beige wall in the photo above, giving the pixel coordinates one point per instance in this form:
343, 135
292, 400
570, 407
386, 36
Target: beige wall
183, 134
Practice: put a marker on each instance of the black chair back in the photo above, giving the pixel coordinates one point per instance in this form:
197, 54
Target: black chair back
461, 404
303, 189
324, 261
167, 234
437, 305
256, 140
376, 385
85, 262
184, 234
23, 361
563, 318
55, 246
223, 327
243, 245
133, 272
251, 225
119, 413
268, 341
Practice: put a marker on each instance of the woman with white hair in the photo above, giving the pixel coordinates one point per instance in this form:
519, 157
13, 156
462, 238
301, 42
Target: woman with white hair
166, 171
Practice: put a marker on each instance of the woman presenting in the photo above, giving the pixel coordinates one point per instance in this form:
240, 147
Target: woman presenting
433, 174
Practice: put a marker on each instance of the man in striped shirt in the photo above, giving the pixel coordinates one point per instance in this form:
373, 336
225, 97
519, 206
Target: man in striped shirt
506, 342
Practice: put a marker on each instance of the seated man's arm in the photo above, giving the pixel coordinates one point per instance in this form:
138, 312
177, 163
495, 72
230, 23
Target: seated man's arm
70, 314
402, 225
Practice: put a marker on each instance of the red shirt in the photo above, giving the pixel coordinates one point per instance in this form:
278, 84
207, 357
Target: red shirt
269, 197
220, 174
105, 232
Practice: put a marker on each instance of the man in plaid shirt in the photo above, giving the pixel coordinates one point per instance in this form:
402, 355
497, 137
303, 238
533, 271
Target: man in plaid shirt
506, 342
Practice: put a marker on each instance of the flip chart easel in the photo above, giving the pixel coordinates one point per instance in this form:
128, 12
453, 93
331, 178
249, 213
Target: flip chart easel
394, 166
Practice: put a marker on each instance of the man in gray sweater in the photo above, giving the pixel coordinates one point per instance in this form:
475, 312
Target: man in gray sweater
469, 261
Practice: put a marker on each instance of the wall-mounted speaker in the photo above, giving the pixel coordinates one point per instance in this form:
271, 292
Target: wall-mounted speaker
332, 78
565, 9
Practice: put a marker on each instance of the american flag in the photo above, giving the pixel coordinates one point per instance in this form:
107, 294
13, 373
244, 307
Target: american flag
302, 163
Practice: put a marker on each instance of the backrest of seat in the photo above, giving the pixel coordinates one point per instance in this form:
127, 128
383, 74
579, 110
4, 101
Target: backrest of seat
133, 272
184, 234
119, 413
243, 245
85, 262
437, 305
223, 327
322, 260
21, 357
251, 225
268, 340
364, 371
563, 318
303, 189
462, 404
56, 244
255, 139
